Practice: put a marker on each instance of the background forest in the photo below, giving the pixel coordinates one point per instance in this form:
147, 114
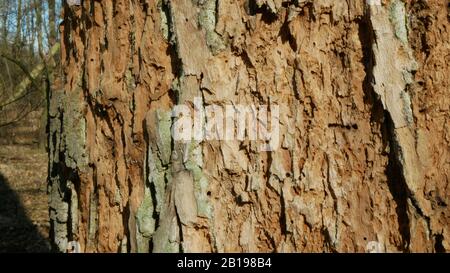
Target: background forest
29, 68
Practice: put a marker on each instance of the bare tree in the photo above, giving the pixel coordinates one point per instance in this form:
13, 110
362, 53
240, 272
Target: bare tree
29, 55
52, 22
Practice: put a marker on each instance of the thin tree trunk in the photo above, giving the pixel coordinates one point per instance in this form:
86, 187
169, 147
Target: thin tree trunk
38, 10
18, 37
6, 5
52, 22
363, 93
33, 30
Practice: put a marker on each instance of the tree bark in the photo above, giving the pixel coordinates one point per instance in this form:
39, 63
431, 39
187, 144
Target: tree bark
5, 14
52, 37
38, 10
363, 92
18, 37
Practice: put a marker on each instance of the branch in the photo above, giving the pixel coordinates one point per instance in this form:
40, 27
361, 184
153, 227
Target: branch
22, 115
22, 66
21, 89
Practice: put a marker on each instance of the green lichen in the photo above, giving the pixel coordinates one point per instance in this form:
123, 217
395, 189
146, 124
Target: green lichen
146, 224
165, 27
75, 130
157, 179
207, 20
166, 238
158, 157
407, 110
397, 14
168, 246
194, 163
129, 79
164, 137
59, 211
158, 163
144, 216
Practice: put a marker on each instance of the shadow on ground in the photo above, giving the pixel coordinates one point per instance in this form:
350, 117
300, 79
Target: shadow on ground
17, 232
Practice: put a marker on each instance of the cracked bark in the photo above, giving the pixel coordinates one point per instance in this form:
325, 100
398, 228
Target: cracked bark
363, 94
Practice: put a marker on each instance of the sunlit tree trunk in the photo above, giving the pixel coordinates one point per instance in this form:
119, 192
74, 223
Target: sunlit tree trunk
52, 22
38, 9
5, 8
19, 18
363, 94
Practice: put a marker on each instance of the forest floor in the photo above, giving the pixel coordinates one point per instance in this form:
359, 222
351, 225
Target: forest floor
24, 221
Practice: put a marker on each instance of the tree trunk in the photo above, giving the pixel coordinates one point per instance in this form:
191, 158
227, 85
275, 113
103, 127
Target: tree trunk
52, 36
362, 162
18, 37
5, 14
38, 10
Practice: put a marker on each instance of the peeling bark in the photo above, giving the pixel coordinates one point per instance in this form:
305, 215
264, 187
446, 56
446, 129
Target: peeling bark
363, 95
